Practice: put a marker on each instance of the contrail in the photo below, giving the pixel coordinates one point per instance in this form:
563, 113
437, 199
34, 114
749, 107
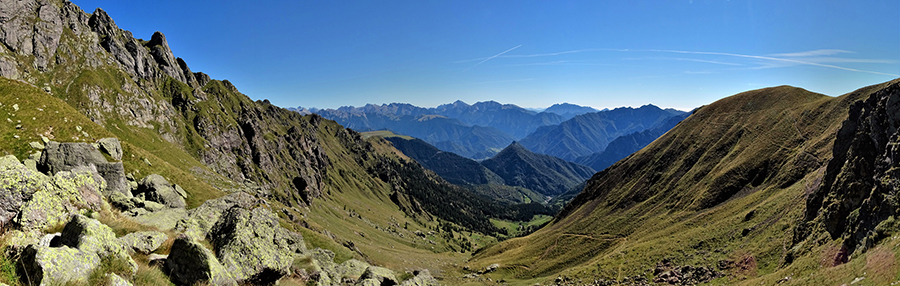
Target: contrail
497, 55
772, 59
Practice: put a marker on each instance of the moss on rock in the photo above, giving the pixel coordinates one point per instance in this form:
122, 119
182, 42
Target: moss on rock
252, 246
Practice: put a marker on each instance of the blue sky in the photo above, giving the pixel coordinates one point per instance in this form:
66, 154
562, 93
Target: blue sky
679, 54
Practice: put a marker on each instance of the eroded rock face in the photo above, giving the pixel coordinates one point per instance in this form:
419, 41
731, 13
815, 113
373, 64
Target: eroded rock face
17, 185
157, 189
190, 263
858, 195
253, 247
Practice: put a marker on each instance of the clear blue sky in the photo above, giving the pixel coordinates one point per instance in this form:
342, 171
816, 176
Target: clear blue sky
678, 54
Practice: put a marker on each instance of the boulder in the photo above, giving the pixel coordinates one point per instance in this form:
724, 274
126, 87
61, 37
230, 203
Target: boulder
190, 263
61, 196
253, 246
121, 201
323, 259
155, 188
421, 278
59, 157
201, 219
143, 241
17, 185
164, 219
90, 235
116, 280
112, 147
57, 266
352, 269
381, 275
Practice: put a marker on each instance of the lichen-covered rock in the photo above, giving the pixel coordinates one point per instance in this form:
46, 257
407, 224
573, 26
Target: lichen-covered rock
156, 188
352, 269
55, 266
121, 201
324, 259
143, 241
421, 278
17, 184
116, 280
90, 235
57, 199
112, 147
252, 246
190, 263
201, 219
382, 275
164, 219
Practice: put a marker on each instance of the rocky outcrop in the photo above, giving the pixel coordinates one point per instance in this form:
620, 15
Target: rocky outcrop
253, 247
190, 263
155, 188
58, 157
857, 200
143, 241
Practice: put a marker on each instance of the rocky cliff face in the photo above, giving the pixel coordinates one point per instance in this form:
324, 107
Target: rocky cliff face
115, 79
858, 198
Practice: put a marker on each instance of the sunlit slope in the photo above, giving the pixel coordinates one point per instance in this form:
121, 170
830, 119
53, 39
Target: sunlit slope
728, 181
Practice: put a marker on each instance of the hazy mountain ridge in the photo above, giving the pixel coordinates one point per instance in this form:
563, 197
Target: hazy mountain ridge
545, 174
625, 145
590, 133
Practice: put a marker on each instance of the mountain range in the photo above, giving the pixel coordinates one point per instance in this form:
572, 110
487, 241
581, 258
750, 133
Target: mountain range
758, 185
173, 177
514, 166
481, 130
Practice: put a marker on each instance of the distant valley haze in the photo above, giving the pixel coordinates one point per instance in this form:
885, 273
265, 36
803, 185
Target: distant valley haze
602, 54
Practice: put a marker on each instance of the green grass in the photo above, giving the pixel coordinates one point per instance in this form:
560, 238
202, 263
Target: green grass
383, 134
688, 194
514, 228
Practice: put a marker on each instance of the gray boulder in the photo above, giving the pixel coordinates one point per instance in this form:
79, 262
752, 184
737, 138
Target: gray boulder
143, 241
379, 275
59, 157
112, 147
421, 278
190, 263
156, 188
57, 266
253, 247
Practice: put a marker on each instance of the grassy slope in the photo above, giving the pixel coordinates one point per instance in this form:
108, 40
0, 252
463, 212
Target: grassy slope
675, 208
